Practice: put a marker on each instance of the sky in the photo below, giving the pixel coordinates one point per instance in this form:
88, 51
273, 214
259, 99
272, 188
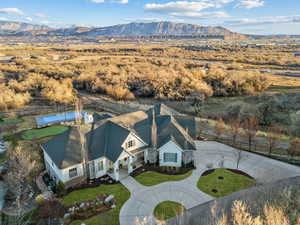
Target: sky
245, 16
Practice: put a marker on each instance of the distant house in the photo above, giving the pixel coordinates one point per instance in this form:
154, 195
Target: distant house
55, 57
47, 120
6, 59
297, 54
117, 146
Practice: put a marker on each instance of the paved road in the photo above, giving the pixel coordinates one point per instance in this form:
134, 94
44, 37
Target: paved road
143, 199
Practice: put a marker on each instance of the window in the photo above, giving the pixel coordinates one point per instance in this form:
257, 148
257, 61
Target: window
170, 157
130, 144
100, 165
73, 172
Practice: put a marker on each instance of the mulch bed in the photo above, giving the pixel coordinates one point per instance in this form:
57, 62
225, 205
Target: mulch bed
89, 209
158, 169
207, 172
240, 173
92, 183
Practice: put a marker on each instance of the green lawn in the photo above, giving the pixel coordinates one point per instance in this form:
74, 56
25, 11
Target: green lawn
10, 120
151, 178
111, 217
36, 134
168, 209
232, 182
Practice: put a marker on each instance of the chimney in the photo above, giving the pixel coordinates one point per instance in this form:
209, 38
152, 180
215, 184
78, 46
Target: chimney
154, 130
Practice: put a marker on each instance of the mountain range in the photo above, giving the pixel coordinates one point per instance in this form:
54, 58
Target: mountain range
8, 28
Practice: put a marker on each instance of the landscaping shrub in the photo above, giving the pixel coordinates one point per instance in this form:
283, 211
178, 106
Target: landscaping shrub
40, 199
60, 189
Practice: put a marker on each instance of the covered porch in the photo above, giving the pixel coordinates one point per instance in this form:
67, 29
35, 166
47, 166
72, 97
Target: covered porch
126, 164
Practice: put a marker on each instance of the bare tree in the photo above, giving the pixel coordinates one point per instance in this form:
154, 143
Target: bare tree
250, 126
198, 104
219, 128
18, 176
235, 129
294, 147
273, 138
50, 211
16, 220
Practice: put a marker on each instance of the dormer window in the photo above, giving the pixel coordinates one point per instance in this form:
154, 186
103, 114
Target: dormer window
130, 144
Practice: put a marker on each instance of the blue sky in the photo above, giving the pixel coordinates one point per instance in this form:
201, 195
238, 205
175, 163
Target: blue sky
246, 16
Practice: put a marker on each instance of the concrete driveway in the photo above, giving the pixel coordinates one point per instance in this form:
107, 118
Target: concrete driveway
143, 199
263, 169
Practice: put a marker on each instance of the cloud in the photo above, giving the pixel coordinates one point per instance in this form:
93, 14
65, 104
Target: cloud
41, 15
122, 1
11, 11
29, 19
201, 15
3, 19
264, 21
149, 19
190, 9
97, 1
249, 4
180, 6
116, 1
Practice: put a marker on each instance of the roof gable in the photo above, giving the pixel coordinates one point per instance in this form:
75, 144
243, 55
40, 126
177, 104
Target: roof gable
107, 141
64, 149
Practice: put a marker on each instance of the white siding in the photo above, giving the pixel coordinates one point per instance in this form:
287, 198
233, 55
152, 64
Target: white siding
170, 147
138, 142
61, 174
100, 173
65, 172
123, 155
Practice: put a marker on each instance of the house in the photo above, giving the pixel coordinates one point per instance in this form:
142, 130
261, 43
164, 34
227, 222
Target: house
6, 59
52, 119
117, 146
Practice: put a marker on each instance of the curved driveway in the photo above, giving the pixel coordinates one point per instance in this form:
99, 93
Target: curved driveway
143, 199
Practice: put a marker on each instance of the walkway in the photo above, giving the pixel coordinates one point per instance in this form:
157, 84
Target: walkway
143, 199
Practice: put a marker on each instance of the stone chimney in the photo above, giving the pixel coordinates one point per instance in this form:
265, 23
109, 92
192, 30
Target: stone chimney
152, 151
153, 131
186, 142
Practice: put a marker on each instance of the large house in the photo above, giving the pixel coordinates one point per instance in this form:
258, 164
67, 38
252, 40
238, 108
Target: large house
117, 146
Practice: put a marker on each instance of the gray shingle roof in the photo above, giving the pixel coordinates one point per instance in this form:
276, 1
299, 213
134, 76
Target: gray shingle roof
106, 140
64, 149
188, 123
168, 128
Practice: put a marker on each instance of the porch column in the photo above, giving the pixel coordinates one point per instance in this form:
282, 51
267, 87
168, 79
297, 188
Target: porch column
145, 156
130, 168
116, 170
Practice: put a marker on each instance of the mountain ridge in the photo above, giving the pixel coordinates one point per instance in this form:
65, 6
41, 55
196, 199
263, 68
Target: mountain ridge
130, 29
14, 26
